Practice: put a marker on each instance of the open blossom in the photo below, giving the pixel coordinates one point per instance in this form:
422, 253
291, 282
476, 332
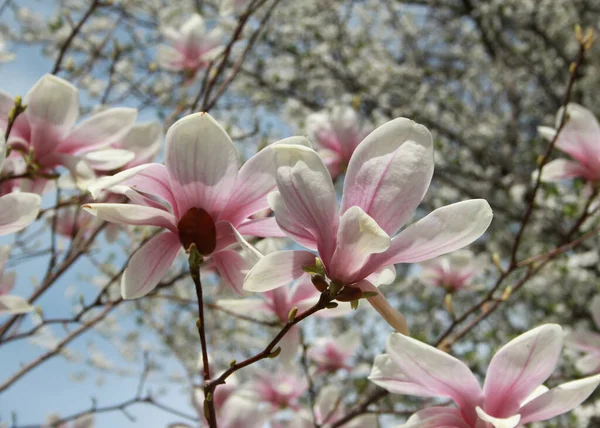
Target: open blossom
198, 196
9, 304
336, 134
191, 48
454, 271
280, 389
512, 395
580, 139
277, 304
387, 177
330, 354
47, 130
17, 209
588, 342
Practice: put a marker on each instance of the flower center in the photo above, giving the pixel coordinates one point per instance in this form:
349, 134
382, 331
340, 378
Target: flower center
197, 227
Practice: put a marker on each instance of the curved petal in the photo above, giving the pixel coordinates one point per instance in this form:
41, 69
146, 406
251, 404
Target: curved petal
389, 375
108, 159
232, 267
358, 237
307, 190
437, 372
99, 130
10, 304
390, 172
48, 93
381, 305
81, 172
202, 163
436, 417
561, 169
17, 211
579, 136
444, 230
509, 422
133, 214
149, 264
144, 140
559, 400
288, 224
255, 180
263, 227
277, 269
519, 367
583, 341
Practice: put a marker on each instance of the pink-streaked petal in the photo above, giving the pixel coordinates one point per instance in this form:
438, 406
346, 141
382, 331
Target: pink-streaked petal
302, 290
444, 230
17, 211
108, 159
153, 180
232, 267
435, 371
389, 375
255, 180
381, 305
202, 164
559, 400
579, 136
133, 214
561, 169
149, 265
509, 422
307, 190
99, 130
10, 304
436, 417
277, 269
288, 225
263, 227
358, 237
390, 172
519, 367
105, 183
52, 101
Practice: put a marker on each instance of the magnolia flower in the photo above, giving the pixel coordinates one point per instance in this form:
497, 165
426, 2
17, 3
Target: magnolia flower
512, 395
198, 196
277, 304
192, 48
10, 304
17, 209
332, 354
47, 130
580, 139
336, 134
387, 176
281, 389
329, 409
588, 342
453, 271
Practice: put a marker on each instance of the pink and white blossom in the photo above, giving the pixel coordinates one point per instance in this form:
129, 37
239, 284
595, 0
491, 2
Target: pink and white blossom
191, 48
388, 175
10, 304
588, 342
47, 132
280, 389
580, 139
454, 271
512, 395
330, 354
198, 196
336, 135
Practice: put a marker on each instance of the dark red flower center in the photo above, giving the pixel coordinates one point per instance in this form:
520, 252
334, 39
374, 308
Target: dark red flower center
197, 227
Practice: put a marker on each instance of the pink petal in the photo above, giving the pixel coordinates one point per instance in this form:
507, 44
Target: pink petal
436, 417
202, 164
390, 172
358, 237
381, 305
144, 140
519, 367
560, 169
307, 190
17, 211
288, 224
444, 230
149, 265
232, 267
42, 101
263, 227
133, 214
440, 374
579, 136
277, 269
559, 400
169, 58
108, 159
99, 130
255, 180
584, 341
389, 375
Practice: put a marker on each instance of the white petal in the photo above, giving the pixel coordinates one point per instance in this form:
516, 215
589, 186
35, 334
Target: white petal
10, 304
108, 159
53, 101
511, 422
277, 269
17, 211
